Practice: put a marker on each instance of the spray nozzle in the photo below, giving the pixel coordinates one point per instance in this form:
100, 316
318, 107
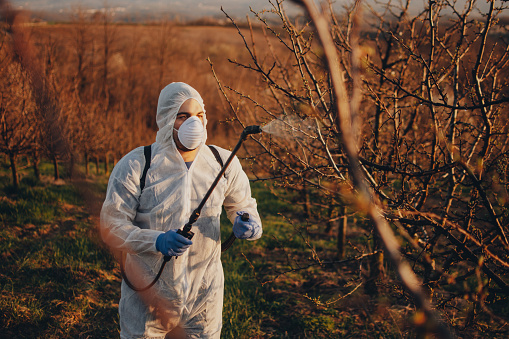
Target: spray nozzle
254, 129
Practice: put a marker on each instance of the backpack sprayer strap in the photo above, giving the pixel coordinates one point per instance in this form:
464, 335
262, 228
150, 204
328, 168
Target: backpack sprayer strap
216, 155
147, 151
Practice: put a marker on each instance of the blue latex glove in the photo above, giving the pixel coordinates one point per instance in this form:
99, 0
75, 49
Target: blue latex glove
172, 244
245, 229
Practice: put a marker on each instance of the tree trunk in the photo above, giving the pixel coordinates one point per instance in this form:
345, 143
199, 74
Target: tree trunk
106, 164
14, 170
71, 165
330, 222
376, 270
96, 165
55, 166
342, 225
35, 166
87, 167
307, 204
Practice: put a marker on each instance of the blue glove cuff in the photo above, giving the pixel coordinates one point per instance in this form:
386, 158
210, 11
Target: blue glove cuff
159, 242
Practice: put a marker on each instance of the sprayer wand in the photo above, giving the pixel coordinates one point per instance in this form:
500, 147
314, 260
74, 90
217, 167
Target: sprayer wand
186, 230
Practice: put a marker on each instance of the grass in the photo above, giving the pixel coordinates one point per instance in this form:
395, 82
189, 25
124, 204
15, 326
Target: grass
272, 285
57, 280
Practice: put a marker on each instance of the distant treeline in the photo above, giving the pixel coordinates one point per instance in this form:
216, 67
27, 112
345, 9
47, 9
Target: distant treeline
89, 89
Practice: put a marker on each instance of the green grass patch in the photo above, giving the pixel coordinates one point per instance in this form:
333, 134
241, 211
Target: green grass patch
56, 279
265, 280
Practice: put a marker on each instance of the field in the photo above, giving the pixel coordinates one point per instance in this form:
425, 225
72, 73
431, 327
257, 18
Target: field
59, 281
383, 180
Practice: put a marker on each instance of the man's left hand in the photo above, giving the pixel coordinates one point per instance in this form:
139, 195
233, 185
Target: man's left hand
245, 229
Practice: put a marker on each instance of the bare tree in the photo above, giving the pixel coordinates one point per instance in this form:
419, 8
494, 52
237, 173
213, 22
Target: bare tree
165, 39
82, 43
16, 109
400, 118
108, 37
51, 114
49, 129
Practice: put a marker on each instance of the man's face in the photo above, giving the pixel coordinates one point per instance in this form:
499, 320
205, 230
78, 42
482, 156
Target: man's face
190, 108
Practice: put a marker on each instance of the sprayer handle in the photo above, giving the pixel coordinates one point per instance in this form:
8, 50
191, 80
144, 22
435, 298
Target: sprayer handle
186, 234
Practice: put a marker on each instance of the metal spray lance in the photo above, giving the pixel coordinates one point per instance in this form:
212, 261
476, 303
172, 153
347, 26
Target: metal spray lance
186, 230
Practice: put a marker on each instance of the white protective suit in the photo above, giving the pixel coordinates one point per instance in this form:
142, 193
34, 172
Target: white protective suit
190, 290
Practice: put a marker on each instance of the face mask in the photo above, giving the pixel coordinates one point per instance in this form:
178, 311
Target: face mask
191, 133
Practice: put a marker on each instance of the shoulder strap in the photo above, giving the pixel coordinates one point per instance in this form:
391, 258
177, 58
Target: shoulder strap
216, 154
147, 150
224, 245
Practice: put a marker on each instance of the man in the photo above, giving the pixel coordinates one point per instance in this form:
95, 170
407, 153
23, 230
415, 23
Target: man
143, 223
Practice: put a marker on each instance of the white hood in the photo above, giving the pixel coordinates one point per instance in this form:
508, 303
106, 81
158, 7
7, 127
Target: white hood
170, 100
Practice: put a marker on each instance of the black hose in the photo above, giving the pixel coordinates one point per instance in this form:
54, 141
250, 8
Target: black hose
226, 245
138, 289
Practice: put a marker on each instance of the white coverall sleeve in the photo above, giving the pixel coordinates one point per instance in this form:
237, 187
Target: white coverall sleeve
238, 195
120, 206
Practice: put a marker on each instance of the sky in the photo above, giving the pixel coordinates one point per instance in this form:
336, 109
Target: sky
196, 8
189, 8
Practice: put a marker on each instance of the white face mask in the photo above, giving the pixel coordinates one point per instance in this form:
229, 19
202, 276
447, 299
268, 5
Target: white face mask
191, 133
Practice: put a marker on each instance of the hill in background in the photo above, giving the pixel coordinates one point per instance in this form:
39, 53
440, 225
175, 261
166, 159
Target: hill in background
142, 11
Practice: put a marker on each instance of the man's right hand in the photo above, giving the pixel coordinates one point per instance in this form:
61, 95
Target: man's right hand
172, 244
